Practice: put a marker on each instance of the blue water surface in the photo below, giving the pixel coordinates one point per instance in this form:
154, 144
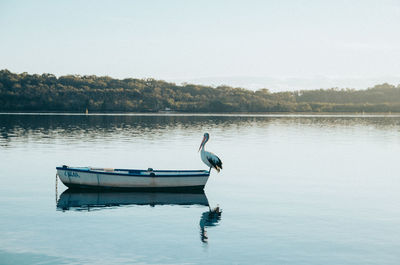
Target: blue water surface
294, 190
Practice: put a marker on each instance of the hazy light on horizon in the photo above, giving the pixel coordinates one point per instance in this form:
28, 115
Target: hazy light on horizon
272, 44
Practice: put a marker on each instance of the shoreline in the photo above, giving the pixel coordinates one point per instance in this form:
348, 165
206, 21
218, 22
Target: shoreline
234, 114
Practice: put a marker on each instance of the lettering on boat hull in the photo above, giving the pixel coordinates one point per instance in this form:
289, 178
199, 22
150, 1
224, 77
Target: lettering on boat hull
71, 174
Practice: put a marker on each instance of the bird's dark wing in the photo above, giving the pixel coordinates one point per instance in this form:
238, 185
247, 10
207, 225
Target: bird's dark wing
215, 161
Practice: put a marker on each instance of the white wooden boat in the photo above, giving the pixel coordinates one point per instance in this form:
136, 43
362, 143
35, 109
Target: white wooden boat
108, 178
85, 199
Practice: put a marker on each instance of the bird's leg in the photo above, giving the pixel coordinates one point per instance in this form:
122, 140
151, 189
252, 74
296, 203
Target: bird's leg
209, 170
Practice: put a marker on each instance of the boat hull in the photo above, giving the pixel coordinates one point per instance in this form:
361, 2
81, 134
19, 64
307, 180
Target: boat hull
130, 179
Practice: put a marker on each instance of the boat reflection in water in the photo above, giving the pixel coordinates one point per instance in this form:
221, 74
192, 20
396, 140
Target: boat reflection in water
86, 200
79, 200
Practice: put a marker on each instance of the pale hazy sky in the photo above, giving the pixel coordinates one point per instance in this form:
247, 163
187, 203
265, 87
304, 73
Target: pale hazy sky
273, 44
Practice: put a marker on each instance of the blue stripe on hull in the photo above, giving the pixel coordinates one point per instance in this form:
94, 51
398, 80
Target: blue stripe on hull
159, 189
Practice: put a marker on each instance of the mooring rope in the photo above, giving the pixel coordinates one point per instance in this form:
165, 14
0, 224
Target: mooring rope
56, 188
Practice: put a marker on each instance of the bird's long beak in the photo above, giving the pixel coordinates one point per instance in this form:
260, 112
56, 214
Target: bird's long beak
202, 142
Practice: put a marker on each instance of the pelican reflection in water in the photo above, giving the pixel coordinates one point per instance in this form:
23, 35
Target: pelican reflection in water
208, 219
86, 200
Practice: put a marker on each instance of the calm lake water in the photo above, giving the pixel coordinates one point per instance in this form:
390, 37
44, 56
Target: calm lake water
294, 190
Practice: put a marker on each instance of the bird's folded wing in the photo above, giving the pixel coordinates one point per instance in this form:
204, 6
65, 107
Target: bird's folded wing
215, 161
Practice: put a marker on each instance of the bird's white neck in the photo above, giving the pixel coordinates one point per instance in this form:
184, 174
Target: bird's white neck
204, 144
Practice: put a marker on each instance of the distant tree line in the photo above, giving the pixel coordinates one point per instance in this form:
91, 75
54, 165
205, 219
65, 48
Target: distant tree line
75, 93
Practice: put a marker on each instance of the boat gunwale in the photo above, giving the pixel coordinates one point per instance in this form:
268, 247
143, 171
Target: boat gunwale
205, 173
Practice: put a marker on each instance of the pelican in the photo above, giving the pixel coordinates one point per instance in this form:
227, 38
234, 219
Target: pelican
209, 158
